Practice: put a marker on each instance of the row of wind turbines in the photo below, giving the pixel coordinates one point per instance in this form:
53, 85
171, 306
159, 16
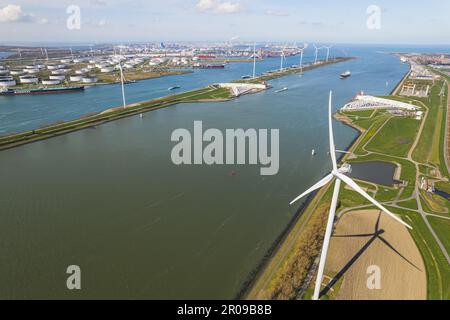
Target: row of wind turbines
302, 52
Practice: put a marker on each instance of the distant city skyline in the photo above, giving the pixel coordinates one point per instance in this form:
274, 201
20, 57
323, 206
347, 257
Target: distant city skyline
352, 21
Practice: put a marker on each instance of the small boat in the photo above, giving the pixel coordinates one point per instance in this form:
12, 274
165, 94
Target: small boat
141, 115
346, 74
313, 152
246, 77
174, 88
281, 90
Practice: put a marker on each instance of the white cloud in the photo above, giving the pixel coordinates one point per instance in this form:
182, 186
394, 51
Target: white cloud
102, 23
218, 7
11, 13
99, 2
277, 13
42, 21
205, 5
14, 13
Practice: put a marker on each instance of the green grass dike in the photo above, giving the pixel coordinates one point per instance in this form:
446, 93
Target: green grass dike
211, 93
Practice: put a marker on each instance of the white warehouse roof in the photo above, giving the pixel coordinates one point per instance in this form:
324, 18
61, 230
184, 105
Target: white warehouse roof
363, 102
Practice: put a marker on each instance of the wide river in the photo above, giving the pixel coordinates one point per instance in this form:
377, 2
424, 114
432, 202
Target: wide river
110, 200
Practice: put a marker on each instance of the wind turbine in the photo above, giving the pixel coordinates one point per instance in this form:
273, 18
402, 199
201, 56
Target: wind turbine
339, 174
283, 57
230, 44
254, 60
328, 51
46, 53
317, 52
20, 53
302, 50
123, 86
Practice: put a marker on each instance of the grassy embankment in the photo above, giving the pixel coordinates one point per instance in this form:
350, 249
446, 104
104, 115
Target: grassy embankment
64, 127
285, 72
210, 93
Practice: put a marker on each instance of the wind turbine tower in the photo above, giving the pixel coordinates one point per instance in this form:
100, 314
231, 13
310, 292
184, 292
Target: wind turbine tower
254, 60
302, 51
328, 52
123, 85
338, 174
283, 57
317, 53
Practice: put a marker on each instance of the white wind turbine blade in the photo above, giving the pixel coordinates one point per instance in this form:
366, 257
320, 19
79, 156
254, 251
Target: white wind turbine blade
122, 84
318, 185
358, 189
326, 240
330, 125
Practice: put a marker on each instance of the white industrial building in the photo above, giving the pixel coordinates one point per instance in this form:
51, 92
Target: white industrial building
76, 78
51, 82
106, 69
4, 83
239, 89
17, 72
29, 79
89, 80
52, 67
364, 102
31, 71
57, 77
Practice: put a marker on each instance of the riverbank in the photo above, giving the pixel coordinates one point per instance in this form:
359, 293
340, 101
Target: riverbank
210, 93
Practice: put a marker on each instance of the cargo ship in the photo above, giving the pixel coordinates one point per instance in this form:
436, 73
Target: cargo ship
11, 92
209, 66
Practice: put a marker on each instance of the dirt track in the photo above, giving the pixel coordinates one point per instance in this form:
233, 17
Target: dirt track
401, 277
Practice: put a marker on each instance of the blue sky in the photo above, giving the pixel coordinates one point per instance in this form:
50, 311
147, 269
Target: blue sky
402, 21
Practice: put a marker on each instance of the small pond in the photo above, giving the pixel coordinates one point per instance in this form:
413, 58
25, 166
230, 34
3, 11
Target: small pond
378, 172
443, 194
